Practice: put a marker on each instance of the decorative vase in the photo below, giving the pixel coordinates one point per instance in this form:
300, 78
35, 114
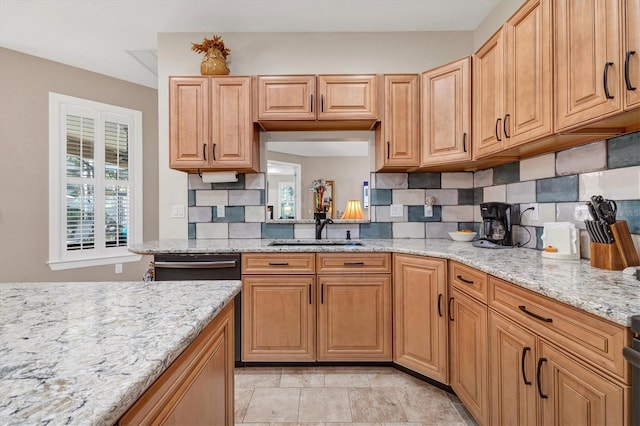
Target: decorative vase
214, 63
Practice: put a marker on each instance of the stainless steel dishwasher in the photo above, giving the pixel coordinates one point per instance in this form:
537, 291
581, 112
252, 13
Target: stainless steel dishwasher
201, 266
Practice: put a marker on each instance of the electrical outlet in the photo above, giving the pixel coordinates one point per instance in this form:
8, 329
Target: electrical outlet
220, 210
396, 210
534, 212
428, 210
118, 268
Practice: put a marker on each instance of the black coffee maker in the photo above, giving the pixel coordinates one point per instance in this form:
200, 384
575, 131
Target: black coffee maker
496, 223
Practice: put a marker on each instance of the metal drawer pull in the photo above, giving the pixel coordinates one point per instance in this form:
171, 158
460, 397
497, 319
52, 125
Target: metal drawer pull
524, 373
214, 152
541, 318
322, 294
605, 80
312, 102
451, 299
310, 294
464, 141
538, 373
504, 126
496, 129
440, 305
353, 263
278, 263
627, 79
196, 265
204, 151
463, 280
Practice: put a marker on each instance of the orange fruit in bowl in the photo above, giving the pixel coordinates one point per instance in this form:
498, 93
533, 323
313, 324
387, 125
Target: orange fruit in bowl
550, 249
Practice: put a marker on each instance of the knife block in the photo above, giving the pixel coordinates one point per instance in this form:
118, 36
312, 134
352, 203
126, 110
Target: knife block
619, 255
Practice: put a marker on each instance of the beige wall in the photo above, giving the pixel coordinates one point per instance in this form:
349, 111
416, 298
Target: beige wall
290, 53
492, 22
25, 83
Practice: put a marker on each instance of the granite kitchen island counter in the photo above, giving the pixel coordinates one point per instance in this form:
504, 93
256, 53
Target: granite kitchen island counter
606, 294
82, 353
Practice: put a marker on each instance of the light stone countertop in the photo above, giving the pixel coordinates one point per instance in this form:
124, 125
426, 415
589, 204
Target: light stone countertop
606, 294
82, 353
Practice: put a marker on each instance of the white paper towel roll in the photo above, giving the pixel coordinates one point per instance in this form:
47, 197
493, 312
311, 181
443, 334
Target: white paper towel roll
219, 177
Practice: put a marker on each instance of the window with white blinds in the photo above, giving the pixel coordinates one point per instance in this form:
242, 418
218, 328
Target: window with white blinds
95, 188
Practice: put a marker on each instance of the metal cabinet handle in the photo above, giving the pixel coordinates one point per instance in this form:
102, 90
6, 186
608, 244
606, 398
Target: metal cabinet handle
204, 151
321, 103
504, 126
322, 293
536, 316
214, 152
605, 79
353, 263
464, 141
388, 150
496, 129
312, 102
451, 299
524, 373
463, 280
538, 374
440, 305
278, 263
310, 294
627, 78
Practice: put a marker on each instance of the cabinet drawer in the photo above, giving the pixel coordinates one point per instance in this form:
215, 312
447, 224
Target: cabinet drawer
353, 263
469, 280
278, 263
594, 339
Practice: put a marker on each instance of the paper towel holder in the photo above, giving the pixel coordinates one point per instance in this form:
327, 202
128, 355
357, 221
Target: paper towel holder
218, 177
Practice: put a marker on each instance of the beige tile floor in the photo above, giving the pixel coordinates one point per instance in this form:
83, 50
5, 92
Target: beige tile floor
333, 396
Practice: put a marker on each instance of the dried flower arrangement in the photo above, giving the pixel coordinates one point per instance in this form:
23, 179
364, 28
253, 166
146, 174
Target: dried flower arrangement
211, 43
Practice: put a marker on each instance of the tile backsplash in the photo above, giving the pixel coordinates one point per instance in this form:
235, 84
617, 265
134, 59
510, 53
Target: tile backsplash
557, 182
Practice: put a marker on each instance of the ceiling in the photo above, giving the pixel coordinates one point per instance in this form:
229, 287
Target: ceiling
119, 37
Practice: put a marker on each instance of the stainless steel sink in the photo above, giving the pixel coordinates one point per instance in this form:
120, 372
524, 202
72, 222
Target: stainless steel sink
315, 243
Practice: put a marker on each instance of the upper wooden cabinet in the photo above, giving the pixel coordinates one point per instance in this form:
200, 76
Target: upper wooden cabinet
488, 97
632, 54
398, 136
420, 326
446, 113
588, 61
286, 97
210, 125
322, 97
512, 82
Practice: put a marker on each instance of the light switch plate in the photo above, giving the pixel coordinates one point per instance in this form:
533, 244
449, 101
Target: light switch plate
177, 210
220, 210
396, 210
118, 268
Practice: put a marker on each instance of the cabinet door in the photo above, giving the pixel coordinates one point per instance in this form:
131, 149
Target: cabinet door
489, 97
468, 353
399, 144
446, 113
512, 358
572, 394
587, 59
354, 318
232, 128
278, 318
347, 97
189, 122
632, 60
529, 68
420, 322
286, 97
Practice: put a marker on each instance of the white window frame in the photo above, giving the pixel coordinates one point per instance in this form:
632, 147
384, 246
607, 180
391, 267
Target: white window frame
59, 257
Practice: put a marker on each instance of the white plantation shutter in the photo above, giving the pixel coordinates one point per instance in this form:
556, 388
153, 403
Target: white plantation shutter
95, 182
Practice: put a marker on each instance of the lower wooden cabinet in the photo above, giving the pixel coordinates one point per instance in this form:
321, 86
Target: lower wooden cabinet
468, 353
571, 393
278, 314
420, 328
512, 366
197, 388
354, 317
